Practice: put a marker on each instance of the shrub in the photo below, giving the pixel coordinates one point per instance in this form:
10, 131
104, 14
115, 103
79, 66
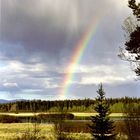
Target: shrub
55, 116
9, 119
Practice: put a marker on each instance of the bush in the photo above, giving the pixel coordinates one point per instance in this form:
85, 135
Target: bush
132, 121
56, 116
9, 119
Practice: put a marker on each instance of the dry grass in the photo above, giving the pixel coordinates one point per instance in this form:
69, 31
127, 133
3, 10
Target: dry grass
74, 113
13, 130
20, 114
93, 114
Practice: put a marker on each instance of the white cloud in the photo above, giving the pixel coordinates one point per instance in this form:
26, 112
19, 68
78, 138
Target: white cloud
20, 68
104, 80
10, 85
108, 74
49, 84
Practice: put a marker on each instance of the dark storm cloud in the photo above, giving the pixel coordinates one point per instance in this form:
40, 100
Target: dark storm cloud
47, 30
22, 27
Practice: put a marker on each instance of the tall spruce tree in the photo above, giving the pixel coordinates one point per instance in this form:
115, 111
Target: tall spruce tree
102, 127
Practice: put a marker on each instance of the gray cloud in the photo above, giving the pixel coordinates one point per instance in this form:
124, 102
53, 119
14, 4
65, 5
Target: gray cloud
38, 38
49, 29
120, 90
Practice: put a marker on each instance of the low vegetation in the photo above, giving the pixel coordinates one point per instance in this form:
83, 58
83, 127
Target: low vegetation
73, 130
16, 131
9, 119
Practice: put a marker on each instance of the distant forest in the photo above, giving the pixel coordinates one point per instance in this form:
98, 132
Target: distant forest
79, 105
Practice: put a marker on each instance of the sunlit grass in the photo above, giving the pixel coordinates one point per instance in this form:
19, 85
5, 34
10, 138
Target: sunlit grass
93, 114
11, 131
74, 113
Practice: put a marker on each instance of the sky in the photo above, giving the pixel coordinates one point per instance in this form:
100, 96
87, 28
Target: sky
38, 44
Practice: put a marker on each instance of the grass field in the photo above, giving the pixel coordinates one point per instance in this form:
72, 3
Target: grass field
14, 130
74, 130
93, 114
74, 113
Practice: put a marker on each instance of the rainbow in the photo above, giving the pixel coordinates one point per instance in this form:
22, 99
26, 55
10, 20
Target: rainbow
80, 48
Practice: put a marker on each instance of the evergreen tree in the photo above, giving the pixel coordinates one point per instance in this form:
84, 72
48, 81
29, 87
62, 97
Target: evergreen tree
135, 7
102, 127
131, 50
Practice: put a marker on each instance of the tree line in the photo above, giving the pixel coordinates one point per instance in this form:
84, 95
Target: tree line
54, 106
